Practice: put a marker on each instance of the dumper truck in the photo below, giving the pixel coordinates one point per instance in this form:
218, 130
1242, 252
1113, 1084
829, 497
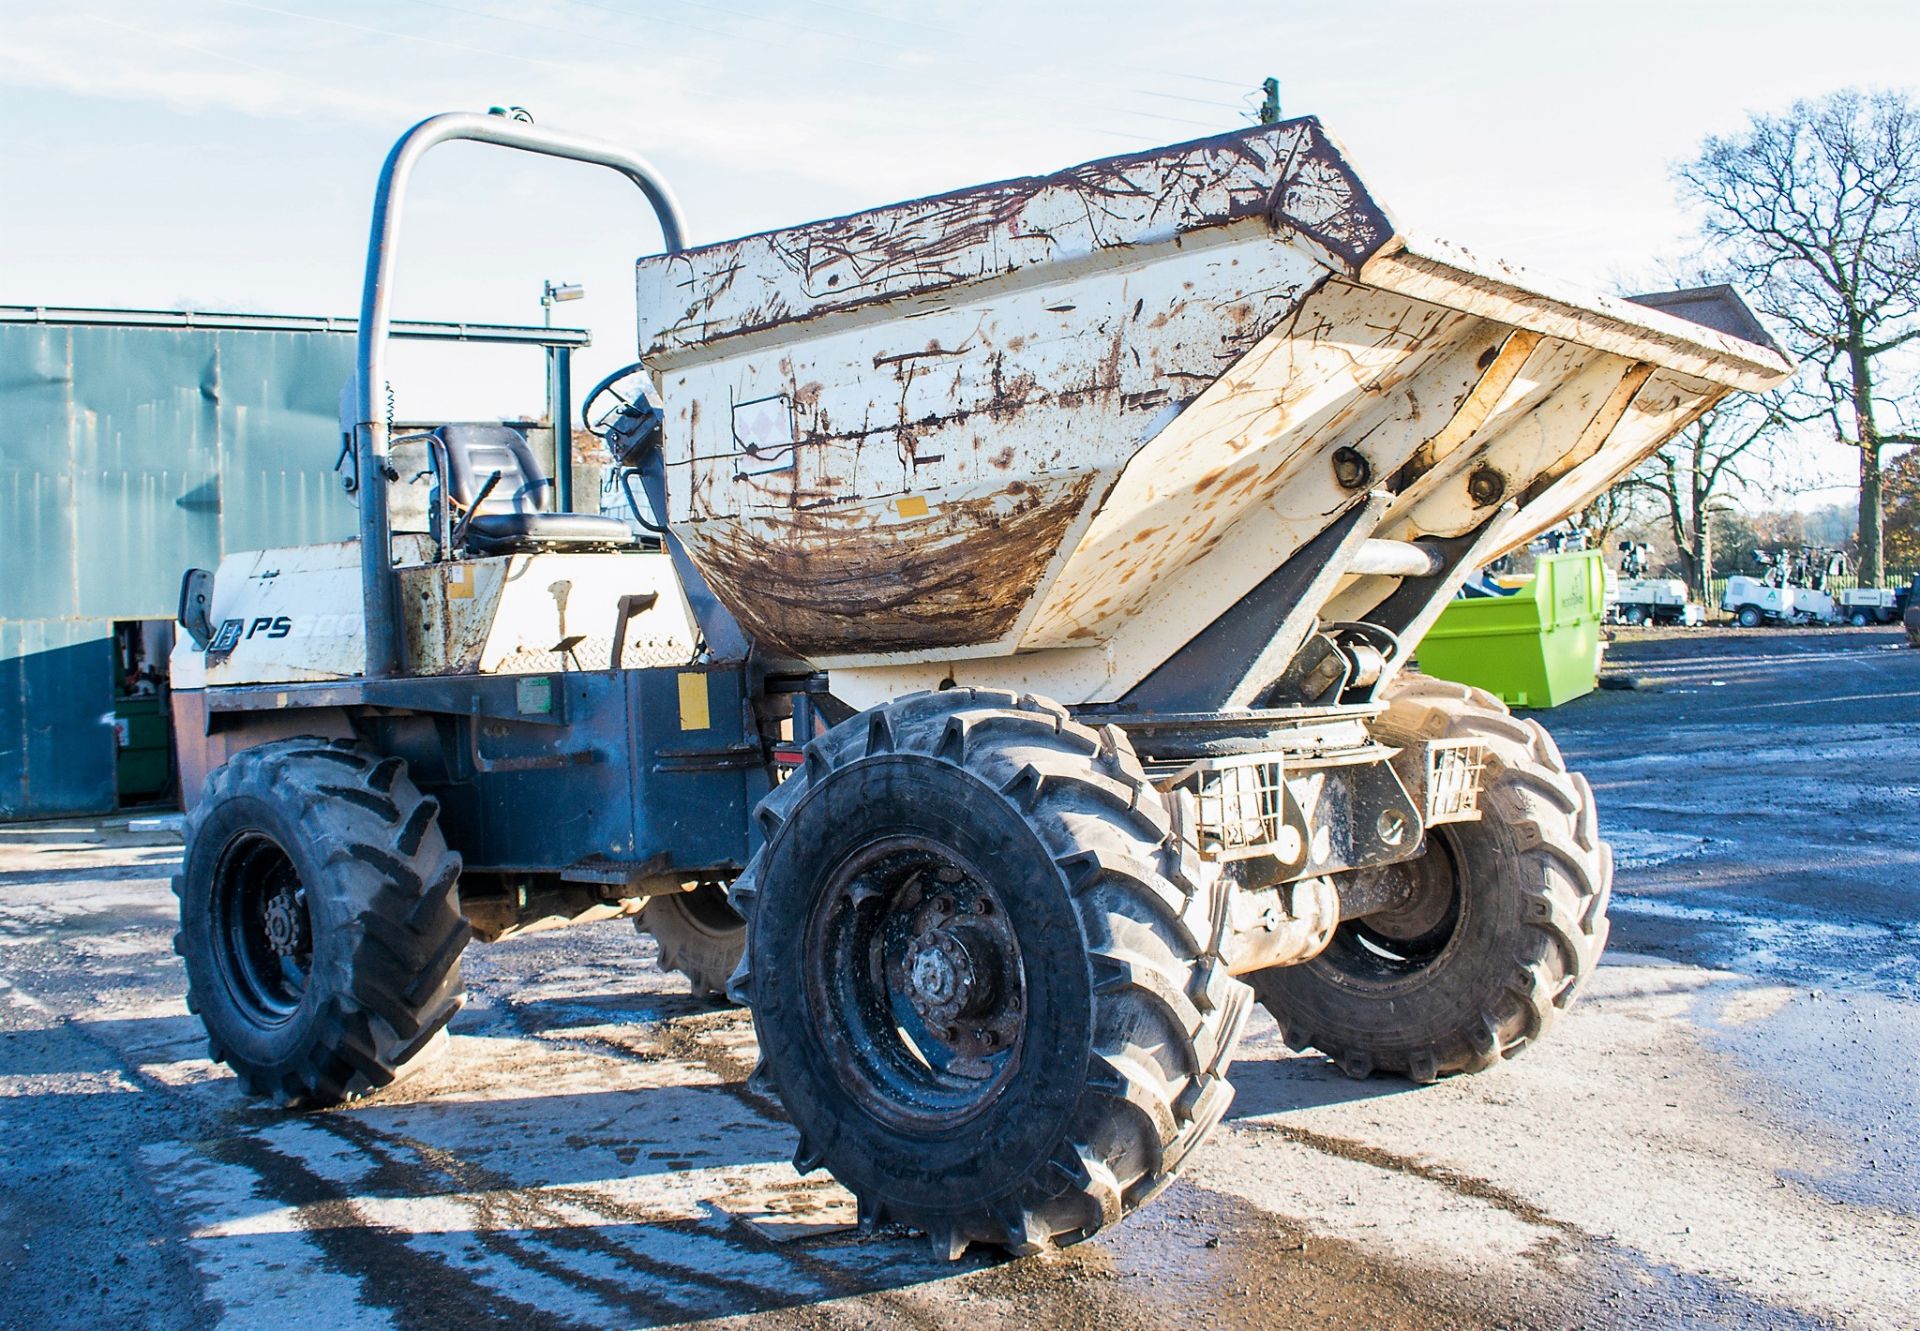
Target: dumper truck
998, 685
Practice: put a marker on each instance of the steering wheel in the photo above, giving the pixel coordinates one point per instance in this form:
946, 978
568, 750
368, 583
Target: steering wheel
618, 411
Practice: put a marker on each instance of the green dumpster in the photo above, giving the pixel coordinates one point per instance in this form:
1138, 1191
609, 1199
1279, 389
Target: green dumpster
140, 732
1536, 648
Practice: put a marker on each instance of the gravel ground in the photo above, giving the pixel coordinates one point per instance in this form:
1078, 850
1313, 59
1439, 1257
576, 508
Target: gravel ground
1723, 1134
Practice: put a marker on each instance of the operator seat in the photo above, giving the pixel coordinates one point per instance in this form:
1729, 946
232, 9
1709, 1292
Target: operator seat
513, 517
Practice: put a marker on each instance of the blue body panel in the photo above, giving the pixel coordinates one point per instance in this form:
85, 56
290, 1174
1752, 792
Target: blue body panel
612, 782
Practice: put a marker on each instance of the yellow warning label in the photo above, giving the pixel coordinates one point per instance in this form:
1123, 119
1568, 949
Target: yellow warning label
911, 506
460, 582
694, 712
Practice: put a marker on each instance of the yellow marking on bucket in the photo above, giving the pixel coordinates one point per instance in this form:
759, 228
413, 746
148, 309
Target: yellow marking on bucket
695, 714
460, 582
911, 506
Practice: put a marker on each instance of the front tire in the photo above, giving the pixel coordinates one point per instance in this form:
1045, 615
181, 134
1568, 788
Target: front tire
1507, 918
319, 921
985, 967
1750, 617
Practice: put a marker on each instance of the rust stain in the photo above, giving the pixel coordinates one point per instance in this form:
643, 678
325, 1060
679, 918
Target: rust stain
1289, 174
822, 583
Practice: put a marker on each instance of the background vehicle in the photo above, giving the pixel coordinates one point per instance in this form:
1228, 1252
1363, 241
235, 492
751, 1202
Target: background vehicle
1793, 590
1638, 598
1018, 647
1861, 606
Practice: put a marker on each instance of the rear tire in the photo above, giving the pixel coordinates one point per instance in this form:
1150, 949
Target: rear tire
699, 935
319, 921
984, 962
1859, 619
1508, 920
1750, 617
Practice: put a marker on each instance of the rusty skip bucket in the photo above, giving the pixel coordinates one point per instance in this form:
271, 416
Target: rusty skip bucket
1042, 433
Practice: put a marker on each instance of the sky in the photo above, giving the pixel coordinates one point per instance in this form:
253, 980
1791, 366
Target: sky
221, 154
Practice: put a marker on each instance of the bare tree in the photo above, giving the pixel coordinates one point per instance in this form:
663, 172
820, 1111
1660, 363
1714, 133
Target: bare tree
1690, 476
1606, 513
1817, 212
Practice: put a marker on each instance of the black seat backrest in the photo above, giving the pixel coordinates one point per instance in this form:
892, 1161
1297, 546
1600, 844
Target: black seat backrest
475, 452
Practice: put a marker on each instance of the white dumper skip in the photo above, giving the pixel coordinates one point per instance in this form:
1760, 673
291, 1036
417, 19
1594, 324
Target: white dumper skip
1013, 693
1040, 434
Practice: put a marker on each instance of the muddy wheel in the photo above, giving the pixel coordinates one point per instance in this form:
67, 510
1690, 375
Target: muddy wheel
319, 921
984, 963
699, 935
1506, 916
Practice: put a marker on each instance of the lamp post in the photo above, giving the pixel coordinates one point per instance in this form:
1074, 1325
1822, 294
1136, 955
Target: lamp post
553, 293
560, 394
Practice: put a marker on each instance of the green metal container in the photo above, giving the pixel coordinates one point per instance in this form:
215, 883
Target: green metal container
140, 729
1537, 648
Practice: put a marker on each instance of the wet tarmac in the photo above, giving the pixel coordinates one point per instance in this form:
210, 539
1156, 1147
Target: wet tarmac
1722, 1134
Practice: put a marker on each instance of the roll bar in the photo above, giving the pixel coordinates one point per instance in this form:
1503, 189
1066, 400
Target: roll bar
370, 427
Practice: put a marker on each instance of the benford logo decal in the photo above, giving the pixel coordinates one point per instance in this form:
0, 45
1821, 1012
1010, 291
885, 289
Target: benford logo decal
233, 632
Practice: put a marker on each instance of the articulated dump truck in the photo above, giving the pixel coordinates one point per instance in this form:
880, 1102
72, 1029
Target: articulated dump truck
1000, 682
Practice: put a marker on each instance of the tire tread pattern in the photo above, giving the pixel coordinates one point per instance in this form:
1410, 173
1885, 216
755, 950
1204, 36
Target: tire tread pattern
378, 841
1567, 878
1153, 919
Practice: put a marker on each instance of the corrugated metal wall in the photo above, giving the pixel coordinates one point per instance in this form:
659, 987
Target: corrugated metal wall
128, 455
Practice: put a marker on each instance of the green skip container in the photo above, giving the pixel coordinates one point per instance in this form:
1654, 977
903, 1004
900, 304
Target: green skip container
1539, 647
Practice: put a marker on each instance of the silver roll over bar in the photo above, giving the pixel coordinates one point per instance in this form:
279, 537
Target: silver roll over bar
369, 427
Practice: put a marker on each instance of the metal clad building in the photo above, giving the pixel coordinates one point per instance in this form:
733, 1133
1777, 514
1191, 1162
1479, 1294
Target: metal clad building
134, 445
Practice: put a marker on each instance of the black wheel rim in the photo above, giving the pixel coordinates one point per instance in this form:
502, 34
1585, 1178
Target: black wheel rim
263, 933
1391, 945
916, 978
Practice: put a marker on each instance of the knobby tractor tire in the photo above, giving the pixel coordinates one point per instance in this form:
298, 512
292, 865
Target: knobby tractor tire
699, 935
319, 921
985, 967
1519, 918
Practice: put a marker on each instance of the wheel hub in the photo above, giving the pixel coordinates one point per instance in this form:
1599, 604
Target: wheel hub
1421, 910
922, 974
1417, 927
950, 975
265, 938
286, 924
